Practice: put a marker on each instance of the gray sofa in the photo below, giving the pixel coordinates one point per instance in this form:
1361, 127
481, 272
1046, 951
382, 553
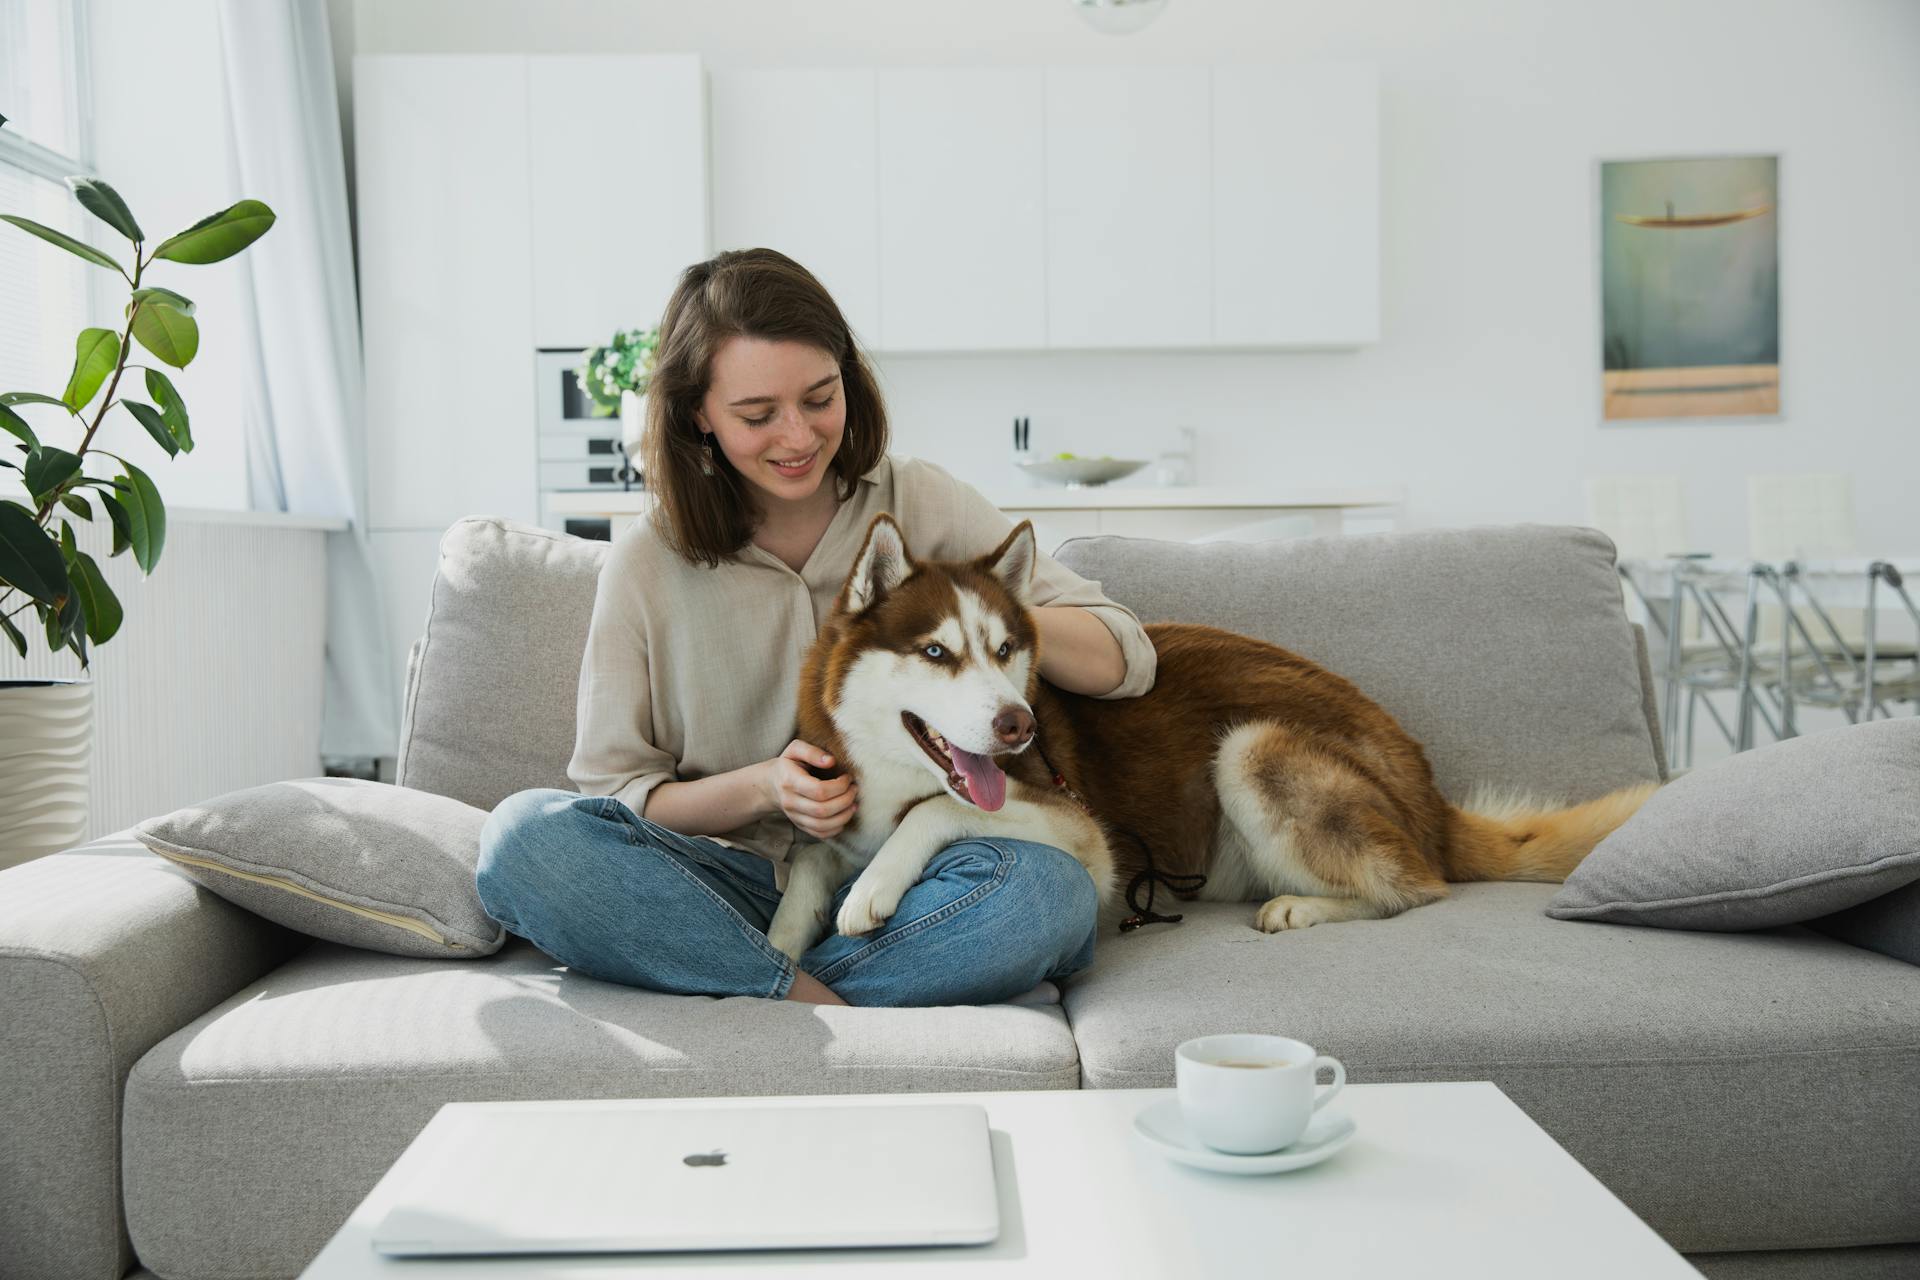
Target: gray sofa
194, 1092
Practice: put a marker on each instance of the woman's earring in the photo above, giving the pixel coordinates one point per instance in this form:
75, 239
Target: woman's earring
849, 434
706, 456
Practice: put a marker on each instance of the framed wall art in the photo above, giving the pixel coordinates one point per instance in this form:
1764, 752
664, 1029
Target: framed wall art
1690, 288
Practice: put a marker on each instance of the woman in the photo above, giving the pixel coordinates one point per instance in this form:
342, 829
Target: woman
766, 449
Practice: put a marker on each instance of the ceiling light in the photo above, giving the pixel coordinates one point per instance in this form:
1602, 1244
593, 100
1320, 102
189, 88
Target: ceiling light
1119, 17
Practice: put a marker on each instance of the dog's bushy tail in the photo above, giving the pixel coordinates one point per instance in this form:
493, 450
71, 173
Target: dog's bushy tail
1495, 838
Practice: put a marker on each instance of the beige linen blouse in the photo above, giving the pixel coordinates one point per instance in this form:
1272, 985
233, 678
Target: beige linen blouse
692, 671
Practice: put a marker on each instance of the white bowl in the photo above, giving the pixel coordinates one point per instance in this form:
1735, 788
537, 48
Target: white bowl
1078, 473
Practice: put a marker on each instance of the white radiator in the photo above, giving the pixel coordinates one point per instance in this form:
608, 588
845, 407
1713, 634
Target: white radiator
214, 681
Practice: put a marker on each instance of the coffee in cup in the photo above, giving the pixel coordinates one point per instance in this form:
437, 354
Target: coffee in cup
1251, 1094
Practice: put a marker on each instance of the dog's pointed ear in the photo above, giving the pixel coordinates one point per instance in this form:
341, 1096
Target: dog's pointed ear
1012, 562
881, 566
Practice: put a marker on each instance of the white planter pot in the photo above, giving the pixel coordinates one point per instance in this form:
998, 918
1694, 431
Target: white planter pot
46, 745
633, 422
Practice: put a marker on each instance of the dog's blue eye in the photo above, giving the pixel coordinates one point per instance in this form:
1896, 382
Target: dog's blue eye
1006, 647
934, 651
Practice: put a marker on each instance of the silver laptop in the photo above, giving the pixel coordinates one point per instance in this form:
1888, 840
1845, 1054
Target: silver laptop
506, 1177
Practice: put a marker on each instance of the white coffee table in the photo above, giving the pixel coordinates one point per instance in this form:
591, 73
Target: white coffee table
1441, 1180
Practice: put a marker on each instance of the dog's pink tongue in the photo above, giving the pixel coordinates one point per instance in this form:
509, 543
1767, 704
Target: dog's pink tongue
985, 783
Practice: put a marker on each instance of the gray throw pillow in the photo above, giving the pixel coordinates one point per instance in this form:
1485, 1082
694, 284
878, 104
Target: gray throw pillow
364, 863
1785, 833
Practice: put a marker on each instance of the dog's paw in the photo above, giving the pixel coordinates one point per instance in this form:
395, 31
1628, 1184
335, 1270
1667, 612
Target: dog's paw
868, 906
1289, 912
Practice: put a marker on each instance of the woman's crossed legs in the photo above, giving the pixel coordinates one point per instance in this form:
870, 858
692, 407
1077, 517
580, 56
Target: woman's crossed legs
612, 895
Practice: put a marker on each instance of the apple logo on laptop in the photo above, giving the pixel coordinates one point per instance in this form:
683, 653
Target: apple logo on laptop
708, 1158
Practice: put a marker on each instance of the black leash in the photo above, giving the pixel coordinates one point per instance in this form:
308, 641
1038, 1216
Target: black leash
1152, 878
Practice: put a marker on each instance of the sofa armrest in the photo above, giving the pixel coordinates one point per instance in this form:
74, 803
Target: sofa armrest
104, 950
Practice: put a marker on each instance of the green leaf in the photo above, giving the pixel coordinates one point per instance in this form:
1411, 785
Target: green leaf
95, 353
77, 504
32, 397
173, 410
170, 334
11, 421
154, 293
97, 600
146, 517
14, 634
28, 559
48, 468
155, 424
62, 619
122, 522
64, 240
219, 235
104, 203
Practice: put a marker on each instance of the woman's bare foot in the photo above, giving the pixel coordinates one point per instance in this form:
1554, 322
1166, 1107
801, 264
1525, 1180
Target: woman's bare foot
810, 990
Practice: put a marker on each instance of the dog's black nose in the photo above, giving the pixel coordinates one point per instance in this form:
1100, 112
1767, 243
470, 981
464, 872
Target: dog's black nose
1014, 726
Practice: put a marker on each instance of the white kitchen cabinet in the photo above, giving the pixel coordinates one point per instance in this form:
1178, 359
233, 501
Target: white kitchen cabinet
446, 293
962, 180
794, 169
1071, 208
618, 189
1129, 249
1296, 205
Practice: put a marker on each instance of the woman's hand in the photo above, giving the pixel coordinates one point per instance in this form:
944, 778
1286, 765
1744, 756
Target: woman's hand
821, 807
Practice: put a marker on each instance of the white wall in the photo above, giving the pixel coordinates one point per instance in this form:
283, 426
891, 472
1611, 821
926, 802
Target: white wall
1482, 397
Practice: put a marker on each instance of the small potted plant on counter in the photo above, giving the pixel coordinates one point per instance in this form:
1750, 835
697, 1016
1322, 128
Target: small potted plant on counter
615, 376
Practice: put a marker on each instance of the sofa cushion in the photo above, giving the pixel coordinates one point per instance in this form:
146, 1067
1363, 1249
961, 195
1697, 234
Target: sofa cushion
365, 863
1800, 828
1506, 651
286, 1103
1737, 1090
490, 696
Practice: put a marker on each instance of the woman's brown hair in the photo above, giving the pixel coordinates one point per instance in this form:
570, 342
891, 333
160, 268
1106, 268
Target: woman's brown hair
756, 293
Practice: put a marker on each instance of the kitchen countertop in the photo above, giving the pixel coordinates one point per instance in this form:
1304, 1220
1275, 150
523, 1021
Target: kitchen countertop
1097, 497
1115, 497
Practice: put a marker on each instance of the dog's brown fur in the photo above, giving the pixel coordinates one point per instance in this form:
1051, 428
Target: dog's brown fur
1356, 788
1279, 780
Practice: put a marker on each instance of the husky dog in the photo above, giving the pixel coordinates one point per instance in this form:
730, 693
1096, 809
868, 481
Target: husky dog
1272, 777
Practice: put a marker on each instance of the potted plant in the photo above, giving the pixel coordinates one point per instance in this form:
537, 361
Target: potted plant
45, 725
615, 376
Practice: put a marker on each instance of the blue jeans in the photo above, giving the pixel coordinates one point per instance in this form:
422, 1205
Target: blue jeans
609, 894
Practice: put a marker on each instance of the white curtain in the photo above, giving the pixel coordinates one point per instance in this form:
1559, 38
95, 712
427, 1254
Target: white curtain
305, 425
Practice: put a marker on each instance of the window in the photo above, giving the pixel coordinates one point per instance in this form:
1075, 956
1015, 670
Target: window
44, 291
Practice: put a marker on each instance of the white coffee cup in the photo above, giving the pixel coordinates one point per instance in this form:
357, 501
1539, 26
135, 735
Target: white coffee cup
1250, 1094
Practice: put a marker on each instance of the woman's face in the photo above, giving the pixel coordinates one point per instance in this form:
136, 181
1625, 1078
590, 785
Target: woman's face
774, 403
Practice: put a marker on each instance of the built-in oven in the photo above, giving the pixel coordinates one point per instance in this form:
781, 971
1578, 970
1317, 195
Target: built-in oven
580, 448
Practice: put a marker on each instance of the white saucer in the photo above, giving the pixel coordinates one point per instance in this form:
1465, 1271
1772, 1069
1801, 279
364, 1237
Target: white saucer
1161, 1126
